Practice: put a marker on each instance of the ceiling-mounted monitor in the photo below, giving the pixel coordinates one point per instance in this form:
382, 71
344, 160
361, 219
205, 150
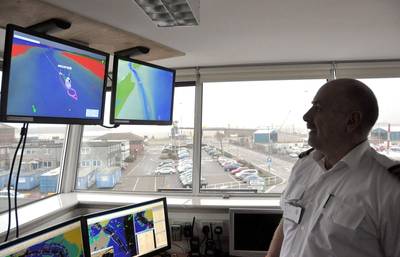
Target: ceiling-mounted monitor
142, 93
50, 80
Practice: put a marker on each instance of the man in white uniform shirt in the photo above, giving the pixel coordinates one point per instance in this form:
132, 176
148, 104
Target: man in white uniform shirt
342, 198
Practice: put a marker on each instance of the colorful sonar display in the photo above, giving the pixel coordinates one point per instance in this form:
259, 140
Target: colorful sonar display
129, 231
116, 234
50, 80
62, 240
142, 93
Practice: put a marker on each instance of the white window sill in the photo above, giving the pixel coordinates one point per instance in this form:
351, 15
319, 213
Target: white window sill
31, 213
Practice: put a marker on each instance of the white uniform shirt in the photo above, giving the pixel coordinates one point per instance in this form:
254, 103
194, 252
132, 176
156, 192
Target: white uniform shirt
360, 219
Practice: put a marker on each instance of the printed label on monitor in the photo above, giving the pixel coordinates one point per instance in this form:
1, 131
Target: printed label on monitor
92, 113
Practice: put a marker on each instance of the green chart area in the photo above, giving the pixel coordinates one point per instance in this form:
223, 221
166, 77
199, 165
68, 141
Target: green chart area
125, 87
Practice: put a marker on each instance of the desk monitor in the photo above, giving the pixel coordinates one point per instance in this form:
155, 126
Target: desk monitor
251, 231
142, 93
134, 230
64, 239
50, 80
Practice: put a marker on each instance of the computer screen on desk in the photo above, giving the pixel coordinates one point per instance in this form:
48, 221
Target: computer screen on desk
64, 239
251, 231
134, 230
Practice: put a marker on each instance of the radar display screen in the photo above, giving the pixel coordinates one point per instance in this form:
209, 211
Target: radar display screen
127, 232
49, 80
63, 240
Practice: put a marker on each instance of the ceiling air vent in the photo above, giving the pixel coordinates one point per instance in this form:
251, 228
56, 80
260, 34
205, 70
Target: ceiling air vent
171, 13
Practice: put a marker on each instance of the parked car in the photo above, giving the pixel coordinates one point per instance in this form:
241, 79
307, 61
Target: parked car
166, 170
165, 165
241, 174
251, 177
187, 182
233, 172
232, 166
166, 161
184, 167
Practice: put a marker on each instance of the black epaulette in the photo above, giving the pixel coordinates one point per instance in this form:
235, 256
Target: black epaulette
395, 170
305, 153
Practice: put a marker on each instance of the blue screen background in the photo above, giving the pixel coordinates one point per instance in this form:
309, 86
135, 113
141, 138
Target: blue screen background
46, 81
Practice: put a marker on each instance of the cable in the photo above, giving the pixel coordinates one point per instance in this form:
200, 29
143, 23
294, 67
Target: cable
9, 187
24, 133
110, 127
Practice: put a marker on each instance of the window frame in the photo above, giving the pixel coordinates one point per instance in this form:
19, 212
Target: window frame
197, 76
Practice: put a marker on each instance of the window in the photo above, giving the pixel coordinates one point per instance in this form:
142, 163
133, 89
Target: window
385, 135
85, 163
30, 151
85, 150
34, 183
253, 132
140, 158
96, 163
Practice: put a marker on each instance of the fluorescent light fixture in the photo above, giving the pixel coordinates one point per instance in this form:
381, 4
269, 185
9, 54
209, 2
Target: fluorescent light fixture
171, 13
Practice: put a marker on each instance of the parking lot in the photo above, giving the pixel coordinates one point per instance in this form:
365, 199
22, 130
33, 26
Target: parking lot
147, 173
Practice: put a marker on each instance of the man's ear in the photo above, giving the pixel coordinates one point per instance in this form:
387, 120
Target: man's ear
354, 121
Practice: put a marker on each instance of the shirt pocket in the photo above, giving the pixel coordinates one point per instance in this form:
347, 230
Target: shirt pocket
295, 194
292, 195
343, 214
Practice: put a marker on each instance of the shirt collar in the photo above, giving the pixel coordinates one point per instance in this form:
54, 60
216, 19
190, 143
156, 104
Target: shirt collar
351, 159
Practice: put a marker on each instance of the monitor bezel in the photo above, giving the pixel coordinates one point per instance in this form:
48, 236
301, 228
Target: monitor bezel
126, 207
5, 117
232, 212
44, 231
113, 120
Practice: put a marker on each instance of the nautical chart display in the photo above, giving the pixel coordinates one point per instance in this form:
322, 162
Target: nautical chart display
127, 232
47, 78
142, 93
65, 240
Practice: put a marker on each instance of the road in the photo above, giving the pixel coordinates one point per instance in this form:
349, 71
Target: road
281, 165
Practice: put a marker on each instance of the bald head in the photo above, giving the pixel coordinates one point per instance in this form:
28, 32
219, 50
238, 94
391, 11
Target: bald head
353, 95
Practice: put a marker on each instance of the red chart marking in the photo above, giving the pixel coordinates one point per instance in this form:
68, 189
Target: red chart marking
93, 65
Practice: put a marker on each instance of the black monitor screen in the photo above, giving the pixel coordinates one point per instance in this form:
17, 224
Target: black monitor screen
251, 231
49, 80
64, 239
135, 230
142, 93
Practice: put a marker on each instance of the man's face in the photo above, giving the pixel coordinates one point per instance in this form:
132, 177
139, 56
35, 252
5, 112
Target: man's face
326, 119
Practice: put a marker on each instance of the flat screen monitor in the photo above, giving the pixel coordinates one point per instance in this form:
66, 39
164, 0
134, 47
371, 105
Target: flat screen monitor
142, 93
134, 230
64, 239
50, 80
251, 231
